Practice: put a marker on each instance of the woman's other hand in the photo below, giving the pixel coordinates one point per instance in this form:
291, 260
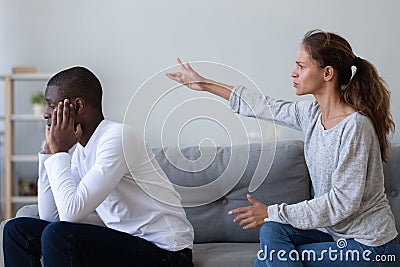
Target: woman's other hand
251, 216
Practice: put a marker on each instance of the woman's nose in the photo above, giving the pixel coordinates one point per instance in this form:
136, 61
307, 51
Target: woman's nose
293, 74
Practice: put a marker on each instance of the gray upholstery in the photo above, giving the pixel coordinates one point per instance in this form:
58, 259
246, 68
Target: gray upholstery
219, 241
288, 166
225, 254
392, 182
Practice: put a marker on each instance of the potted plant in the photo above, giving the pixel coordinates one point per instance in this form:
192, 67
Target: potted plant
38, 103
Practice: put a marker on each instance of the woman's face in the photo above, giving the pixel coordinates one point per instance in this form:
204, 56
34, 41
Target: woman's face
308, 77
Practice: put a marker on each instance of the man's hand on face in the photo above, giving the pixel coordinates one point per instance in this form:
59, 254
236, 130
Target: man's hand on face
61, 136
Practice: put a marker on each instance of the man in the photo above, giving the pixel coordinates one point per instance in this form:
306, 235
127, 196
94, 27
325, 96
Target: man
142, 230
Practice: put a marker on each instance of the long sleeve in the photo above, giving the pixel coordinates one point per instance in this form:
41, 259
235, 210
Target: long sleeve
346, 192
346, 170
46, 204
77, 197
252, 103
118, 176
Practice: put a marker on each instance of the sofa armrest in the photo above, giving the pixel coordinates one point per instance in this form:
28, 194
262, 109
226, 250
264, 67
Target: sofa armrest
25, 211
32, 211
1, 242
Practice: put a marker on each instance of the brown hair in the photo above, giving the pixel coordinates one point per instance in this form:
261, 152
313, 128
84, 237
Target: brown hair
366, 91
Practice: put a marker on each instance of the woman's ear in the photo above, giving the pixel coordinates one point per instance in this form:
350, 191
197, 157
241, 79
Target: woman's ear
79, 104
328, 73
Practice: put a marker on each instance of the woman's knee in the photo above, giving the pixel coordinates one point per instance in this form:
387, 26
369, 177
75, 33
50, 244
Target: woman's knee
273, 228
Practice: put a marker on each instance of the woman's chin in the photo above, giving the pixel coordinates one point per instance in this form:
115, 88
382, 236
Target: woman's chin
298, 92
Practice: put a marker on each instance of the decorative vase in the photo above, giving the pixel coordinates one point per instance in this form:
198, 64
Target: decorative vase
38, 109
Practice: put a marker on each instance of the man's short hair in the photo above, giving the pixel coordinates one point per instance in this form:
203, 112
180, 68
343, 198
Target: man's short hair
78, 82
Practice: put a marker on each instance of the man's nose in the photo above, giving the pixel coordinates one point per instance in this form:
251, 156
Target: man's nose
47, 113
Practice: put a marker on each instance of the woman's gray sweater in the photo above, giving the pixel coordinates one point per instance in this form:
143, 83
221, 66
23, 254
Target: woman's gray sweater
345, 167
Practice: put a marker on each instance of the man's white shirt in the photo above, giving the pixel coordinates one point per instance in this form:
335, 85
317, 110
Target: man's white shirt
117, 175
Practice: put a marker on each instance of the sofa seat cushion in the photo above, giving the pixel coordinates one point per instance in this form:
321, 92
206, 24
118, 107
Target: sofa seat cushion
225, 254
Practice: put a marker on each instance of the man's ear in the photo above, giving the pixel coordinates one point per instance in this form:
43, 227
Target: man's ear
329, 72
79, 104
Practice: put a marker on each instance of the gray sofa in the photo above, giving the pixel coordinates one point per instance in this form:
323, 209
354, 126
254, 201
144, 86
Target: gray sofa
219, 241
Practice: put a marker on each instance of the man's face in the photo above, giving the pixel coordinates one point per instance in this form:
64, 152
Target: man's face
53, 96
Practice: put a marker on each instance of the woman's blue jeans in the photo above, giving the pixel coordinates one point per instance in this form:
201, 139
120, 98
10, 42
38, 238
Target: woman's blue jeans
73, 244
284, 245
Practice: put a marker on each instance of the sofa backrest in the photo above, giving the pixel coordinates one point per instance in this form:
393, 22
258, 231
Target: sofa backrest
392, 181
286, 180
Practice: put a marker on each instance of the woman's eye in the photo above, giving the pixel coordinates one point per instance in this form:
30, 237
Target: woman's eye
301, 67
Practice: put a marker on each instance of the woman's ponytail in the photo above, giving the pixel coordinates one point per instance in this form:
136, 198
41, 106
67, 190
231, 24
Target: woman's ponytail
368, 93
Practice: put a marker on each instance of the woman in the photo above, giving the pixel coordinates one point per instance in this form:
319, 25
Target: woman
346, 127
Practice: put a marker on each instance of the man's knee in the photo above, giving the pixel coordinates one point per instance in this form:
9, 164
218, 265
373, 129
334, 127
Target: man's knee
53, 230
9, 228
16, 225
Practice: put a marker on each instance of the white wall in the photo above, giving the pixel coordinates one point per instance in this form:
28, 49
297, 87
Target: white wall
126, 42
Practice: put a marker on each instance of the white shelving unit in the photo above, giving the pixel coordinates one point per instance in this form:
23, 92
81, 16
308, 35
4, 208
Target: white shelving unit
2, 118
26, 117
9, 136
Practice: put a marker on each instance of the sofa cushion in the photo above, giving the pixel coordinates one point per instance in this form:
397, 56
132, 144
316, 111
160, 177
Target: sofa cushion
225, 254
211, 221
